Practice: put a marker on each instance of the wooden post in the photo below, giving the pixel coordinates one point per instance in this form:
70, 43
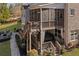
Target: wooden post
49, 17
41, 29
27, 43
30, 36
30, 41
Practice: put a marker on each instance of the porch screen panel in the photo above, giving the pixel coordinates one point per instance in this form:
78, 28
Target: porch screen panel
51, 17
45, 17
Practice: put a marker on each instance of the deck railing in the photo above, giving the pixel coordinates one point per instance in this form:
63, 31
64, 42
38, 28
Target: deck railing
45, 24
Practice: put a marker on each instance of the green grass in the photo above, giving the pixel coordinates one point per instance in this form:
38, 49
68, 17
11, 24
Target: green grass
74, 52
5, 48
11, 27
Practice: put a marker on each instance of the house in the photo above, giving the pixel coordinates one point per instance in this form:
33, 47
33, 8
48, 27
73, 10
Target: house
50, 25
71, 22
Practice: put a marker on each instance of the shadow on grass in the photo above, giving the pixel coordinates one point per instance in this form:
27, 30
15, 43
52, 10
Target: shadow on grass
1, 41
5, 48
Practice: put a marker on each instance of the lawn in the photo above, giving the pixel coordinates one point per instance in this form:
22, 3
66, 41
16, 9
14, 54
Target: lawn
74, 52
10, 27
3, 26
5, 48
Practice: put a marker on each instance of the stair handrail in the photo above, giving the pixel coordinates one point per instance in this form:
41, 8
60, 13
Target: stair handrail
54, 48
58, 44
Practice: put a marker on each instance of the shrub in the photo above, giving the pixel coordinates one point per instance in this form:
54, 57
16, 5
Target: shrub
45, 53
33, 52
48, 53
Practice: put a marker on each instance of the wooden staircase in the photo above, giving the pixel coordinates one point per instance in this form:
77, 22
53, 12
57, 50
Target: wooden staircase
55, 47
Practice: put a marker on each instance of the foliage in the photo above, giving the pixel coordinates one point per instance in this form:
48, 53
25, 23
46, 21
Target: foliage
11, 8
4, 11
2, 21
47, 53
33, 52
19, 21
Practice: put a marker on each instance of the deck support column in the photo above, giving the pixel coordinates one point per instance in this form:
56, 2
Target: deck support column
30, 41
41, 30
30, 33
27, 44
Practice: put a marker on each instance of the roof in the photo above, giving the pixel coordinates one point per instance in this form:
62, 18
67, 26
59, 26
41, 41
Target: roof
47, 5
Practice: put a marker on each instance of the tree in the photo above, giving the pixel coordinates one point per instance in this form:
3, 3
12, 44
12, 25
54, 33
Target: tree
11, 8
4, 11
15, 9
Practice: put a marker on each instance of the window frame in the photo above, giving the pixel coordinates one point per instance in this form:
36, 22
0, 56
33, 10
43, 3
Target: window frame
72, 12
74, 35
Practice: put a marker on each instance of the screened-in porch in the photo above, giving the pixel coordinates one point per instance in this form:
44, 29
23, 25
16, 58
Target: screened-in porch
49, 18
44, 17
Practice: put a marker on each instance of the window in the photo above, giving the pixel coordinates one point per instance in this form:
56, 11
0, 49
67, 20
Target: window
72, 11
74, 35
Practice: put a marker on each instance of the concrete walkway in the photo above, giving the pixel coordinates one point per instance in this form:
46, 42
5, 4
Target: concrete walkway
14, 47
